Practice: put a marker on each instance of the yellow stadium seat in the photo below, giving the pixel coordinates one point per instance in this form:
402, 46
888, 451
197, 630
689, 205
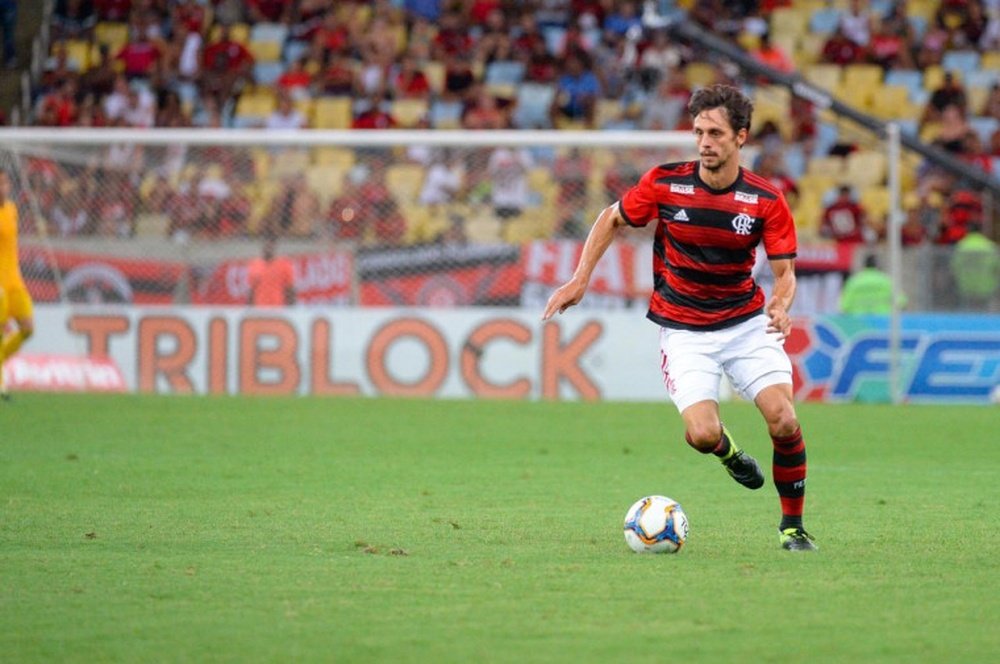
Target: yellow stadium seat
288, 162
831, 166
78, 52
435, 73
875, 201
990, 60
789, 21
405, 181
866, 168
810, 46
700, 74
807, 213
265, 51
258, 104
977, 97
934, 77
333, 113
152, 225
326, 181
342, 158
409, 113
862, 77
238, 32
891, 101
824, 76
483, 229
115, 35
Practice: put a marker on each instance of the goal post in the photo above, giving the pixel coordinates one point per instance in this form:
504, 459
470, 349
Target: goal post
172, 216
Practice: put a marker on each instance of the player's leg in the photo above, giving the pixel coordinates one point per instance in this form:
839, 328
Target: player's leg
789, 462
4, 320
691, 374
705, 432
20, 308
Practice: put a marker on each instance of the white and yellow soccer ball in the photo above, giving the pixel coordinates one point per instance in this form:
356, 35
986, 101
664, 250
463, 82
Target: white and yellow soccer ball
656, 524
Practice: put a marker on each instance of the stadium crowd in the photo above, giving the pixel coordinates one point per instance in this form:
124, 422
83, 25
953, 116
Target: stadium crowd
492, 64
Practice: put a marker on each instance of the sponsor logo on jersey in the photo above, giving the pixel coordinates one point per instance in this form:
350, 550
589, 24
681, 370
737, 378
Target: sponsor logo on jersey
744, 197
682, 215
743, 224
682, 189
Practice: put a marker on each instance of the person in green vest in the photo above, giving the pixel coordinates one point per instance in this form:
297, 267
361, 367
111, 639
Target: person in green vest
868, 291
975, 266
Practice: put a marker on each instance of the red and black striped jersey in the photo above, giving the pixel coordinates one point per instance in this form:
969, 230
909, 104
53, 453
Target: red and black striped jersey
705, 243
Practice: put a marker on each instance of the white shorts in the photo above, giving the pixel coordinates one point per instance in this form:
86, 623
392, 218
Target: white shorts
693, 361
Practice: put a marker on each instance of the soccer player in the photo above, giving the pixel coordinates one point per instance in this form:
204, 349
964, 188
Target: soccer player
15, 303
710, 216
271, 279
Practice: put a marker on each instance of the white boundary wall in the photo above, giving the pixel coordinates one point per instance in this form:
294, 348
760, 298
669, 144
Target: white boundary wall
454, 353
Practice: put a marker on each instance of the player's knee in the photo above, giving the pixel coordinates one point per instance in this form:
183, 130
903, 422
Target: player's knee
783, 423
27, 329
703, 437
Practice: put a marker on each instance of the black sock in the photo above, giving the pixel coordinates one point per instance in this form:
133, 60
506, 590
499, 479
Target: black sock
724, 446
790, 522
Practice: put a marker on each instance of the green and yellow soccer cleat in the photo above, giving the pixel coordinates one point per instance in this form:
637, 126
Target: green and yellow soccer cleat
796, 539
741, 466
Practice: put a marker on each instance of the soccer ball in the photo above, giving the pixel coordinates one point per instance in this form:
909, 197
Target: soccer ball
656, 524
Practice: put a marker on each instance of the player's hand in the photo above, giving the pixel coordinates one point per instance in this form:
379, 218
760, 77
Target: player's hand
780, 323
566, 296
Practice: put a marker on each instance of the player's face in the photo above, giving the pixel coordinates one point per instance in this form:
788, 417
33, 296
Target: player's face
718, 144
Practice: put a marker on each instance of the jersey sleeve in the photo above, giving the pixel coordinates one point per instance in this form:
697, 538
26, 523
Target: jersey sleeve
638, 205
779, 231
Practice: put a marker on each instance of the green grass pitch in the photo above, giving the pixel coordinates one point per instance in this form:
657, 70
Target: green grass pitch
228, 529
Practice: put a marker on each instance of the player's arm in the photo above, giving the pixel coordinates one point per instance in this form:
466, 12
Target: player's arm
598, 240
782, 296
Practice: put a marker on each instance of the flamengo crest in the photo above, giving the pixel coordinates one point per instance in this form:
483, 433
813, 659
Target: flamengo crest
743, 224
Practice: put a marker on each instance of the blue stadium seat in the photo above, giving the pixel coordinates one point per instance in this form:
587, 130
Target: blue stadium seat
553, 35
824, 21
963, 61
534, 101
911, 79
919, 25
795, 160
909, 126
826, 138
445, 114
982, 78
266, 73
269, 32
984, 126
504, 72
295, 50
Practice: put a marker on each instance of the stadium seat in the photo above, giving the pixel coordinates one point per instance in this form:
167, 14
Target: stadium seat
483, 229
333, 113
405, 181
289, 162
409, 113
911, 79
238, 32
824, 21
435, 73
875, 201
608, 112
326, 181
824, 76
700, 74
152, 225
789, 21
294, 50
831, 166
891, 101
808, 49
862, 77
269, 32
267, 73
962, 61
554, 37
504, 72
255, 106
78, 53
265, 51
983, 78
114, 35
984, 126
342, 158
534, 101
934, 77
446, 114
864, 168
991, 61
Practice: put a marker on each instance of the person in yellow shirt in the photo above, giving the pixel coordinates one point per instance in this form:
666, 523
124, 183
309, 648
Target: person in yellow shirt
15, 302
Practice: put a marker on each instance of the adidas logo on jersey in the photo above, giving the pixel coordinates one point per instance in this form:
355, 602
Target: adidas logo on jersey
681, 216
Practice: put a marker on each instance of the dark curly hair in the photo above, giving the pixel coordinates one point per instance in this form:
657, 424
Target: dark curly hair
738, 107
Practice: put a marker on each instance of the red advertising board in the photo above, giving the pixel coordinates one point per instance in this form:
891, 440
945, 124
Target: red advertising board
324, 278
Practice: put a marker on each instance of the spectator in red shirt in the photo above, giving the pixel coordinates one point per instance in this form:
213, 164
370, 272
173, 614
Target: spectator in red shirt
295, 81
772, 56
139, 57
452, 37
409, 81
116, 11
332, 37
963, 207
889, 49
271, 279
189, 13
374, 117
337, 77
59, 108
225, 63
269, 11
839, 49
844, 220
